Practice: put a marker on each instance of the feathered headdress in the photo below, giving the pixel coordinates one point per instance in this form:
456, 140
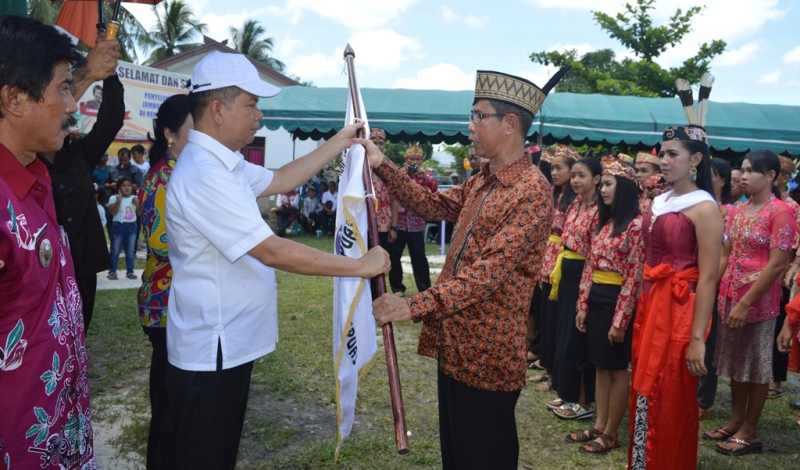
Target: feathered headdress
696, 116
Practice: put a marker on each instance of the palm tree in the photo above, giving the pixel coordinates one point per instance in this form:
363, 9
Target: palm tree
175, 27
44, 11
249, 41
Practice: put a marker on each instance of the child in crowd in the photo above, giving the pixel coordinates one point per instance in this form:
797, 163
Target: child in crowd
124, 208
310, 215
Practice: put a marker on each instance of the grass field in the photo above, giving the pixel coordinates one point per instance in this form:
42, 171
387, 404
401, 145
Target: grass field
291, 420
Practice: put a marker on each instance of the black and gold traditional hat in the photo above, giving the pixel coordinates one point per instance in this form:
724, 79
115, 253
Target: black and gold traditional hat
499, 86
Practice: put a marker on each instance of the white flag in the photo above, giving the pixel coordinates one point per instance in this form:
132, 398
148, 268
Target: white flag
354, 339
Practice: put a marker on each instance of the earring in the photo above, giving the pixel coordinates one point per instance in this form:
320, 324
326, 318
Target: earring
693, 174
170, 142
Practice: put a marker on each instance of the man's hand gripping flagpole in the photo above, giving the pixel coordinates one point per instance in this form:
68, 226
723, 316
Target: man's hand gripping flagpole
401, 435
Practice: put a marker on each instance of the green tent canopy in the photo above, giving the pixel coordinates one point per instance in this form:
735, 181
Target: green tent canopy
441, 116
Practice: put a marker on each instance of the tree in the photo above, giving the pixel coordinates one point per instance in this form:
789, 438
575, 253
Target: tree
250, 41
131, 33
601, 72
175, 27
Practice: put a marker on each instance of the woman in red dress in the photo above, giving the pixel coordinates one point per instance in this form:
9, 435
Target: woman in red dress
683, 241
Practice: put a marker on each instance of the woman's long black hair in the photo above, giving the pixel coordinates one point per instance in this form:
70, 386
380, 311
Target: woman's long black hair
623, 209
703, 179
762, 162
171, 115
569, 193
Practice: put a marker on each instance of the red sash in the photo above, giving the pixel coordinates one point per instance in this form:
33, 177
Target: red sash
670, 290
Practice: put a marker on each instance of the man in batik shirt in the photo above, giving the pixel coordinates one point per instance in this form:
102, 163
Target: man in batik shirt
475, 317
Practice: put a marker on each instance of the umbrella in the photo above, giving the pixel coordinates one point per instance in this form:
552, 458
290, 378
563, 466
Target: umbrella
80, 17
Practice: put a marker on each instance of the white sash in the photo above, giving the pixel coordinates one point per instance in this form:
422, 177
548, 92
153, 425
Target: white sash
664, 204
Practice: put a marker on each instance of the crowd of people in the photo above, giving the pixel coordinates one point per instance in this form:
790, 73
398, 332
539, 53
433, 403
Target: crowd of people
656, 274
632, 284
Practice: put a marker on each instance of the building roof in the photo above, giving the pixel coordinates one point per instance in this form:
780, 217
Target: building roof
185, 61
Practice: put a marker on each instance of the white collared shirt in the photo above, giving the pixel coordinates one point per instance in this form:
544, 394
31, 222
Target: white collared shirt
219, 293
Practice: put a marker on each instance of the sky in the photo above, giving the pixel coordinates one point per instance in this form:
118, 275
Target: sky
440, 44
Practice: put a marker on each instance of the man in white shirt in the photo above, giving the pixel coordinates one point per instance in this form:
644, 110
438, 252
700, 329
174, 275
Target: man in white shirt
223, 299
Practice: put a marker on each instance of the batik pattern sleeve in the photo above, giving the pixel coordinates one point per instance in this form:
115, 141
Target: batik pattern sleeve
631, 264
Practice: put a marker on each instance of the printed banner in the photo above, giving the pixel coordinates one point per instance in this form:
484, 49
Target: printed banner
145, 89
354, 338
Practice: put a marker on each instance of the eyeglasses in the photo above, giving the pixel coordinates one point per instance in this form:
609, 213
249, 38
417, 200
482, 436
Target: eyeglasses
476, 116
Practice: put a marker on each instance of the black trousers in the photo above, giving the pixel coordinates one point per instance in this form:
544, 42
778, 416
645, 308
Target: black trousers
780, 361
87, 286
159, 437
207, 411
548, 313
572, 347
477, 428
707, 384
419, 262
535, 319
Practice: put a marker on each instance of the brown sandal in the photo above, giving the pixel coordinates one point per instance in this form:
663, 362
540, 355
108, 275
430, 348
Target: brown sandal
583, 436
607, 443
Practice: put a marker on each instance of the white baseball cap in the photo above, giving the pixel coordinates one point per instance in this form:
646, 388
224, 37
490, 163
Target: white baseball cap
220, 70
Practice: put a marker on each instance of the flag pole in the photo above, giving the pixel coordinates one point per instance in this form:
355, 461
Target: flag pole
398, 412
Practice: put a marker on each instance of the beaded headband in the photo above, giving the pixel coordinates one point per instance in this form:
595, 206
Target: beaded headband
647, 157
376, 133
414, 149
619, 165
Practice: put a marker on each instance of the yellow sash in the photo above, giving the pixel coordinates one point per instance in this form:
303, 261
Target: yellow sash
607, 277
555, 276
554, 239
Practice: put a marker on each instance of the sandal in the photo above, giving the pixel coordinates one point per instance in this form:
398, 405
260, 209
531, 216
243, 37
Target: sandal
583, 436
557, 403
112, 277
575, 411
747, 447
538, 378
534, 365
544, 386
776, 393
607, 443
132, 276
724, 435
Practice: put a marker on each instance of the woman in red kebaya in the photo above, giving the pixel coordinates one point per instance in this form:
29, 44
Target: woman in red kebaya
573, 374
609, 290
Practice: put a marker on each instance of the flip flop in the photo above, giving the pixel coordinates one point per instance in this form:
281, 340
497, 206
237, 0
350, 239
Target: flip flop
578, 412
534, 365
557, 403
747, 447
775, 393
725, 435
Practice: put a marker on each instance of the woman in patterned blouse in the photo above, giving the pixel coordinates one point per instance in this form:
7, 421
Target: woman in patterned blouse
172, 125
609, 290
560, 162
573, 374
758, 249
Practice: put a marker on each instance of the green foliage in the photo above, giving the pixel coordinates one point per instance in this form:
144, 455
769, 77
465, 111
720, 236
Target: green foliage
250, 41
44, 11
458, 151
175, 28
601, 72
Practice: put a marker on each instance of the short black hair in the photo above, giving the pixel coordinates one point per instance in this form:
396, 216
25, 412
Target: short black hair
138, 148
525, 116
199, 101
29, 54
